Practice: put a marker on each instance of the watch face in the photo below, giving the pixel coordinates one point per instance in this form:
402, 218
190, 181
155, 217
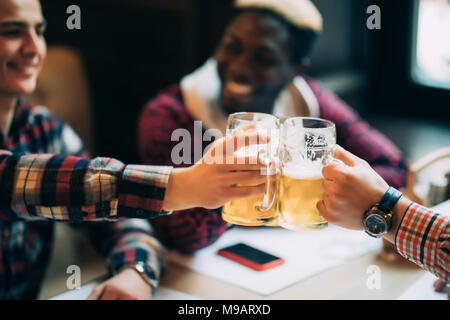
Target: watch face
376, 225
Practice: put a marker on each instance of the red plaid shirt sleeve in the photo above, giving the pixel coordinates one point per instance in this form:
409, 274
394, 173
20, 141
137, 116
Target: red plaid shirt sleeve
69, 188
423, 237
126, 242
358, 137
186, 230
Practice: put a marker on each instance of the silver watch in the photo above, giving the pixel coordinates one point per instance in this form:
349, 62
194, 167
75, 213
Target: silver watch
139, 267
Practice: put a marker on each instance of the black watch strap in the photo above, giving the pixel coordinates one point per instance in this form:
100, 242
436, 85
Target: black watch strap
389, 200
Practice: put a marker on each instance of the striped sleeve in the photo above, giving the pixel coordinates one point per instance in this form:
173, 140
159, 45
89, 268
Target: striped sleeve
136, 243
423, 237
125, 242
68, 188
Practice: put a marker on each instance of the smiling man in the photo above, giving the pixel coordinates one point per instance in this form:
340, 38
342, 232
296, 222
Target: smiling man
26, 238
19, 71
258, 66
45, 176
25, 67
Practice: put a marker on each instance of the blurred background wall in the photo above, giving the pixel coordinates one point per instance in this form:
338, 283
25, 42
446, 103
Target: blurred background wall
133, 48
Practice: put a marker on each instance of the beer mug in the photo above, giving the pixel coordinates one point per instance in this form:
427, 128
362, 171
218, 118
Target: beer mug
307, 145
260, 210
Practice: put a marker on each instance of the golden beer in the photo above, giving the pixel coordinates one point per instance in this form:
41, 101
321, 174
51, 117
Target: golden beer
260, 210
299, 195
245, 212
248, 211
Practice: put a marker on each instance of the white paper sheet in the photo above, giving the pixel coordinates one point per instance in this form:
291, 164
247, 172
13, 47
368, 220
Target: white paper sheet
162, 293
306, 254
423, 289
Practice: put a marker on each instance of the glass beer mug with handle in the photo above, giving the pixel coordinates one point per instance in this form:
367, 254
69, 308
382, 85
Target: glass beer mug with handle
260, 210
308, 145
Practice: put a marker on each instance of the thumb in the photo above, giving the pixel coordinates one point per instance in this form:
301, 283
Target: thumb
346, 157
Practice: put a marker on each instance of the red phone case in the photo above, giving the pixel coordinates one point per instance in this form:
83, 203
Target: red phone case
249, 263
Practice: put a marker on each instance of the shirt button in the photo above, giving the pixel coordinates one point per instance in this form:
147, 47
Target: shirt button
139, 212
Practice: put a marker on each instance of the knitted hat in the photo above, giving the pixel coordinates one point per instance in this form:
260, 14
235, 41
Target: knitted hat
301, 13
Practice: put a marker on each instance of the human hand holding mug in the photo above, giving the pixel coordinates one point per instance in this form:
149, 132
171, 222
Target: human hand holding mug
220, 176
351, 186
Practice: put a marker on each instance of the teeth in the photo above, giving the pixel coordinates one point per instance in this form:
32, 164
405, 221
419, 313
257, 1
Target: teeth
239, 88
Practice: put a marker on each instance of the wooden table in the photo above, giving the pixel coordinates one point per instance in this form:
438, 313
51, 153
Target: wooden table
346, 281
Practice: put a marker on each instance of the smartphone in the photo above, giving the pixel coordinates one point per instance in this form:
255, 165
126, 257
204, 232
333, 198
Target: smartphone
250, 257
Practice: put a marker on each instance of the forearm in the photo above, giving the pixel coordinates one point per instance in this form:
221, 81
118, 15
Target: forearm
419, 234
422, 236
184, 230
126, 243
177, 195
67, 188
133, 241
398, 212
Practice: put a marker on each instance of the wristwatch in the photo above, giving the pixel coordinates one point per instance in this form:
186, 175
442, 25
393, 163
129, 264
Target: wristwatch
377, 221
146, 274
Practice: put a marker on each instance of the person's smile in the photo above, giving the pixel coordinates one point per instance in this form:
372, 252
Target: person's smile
25, 70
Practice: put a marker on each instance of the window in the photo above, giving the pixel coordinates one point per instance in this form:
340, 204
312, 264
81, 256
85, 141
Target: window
431, 43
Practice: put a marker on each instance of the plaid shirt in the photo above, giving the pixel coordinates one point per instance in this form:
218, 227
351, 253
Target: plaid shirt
423, 237
45, 176
190, 230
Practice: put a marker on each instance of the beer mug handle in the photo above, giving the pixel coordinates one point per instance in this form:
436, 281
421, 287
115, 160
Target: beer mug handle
271, 171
